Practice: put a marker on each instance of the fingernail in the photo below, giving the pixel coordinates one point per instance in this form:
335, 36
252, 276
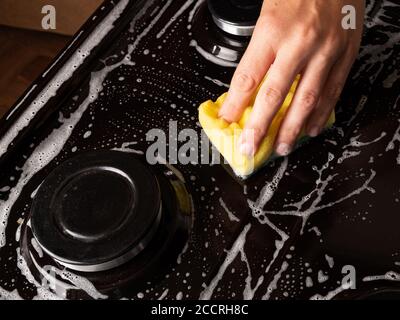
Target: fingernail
314, 131
246, 149
283, 149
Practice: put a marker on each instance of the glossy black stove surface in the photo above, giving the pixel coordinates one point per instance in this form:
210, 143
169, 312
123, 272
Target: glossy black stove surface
292, 231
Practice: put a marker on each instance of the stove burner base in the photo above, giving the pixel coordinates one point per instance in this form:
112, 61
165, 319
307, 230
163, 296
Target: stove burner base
213, 43
150, 265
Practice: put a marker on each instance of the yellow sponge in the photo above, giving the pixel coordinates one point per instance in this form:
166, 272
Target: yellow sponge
224, 135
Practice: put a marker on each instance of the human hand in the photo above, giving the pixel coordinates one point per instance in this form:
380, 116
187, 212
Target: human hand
292, 37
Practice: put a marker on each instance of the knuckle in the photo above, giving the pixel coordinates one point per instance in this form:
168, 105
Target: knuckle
273, 96
333, 92
259, 132
290, 133
308, 100
328, 55
244, 81
352, 52
263, 21
313, 35
331, 50
310, 35
256, 130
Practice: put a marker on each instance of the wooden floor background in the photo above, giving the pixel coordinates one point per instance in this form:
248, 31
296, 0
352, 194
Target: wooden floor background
24, 55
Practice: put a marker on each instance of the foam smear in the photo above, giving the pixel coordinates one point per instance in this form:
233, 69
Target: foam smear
249, 292
9, 295
150, 26
127, 147
257, 208
217, 82
268, 190
75, 281
80, 283
322, 277
330, 261
356, 143
321, 185
184, 7
396, 138
389, 276
193, 11
331, 294
274, 283
163, 295
42, 292
230, 214
231, 255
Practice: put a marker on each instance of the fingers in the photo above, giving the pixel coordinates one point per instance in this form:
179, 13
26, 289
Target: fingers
248, 75
330, 95
269, 99
304, 102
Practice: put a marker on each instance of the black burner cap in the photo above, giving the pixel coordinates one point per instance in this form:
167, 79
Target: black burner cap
97, 210
237, 17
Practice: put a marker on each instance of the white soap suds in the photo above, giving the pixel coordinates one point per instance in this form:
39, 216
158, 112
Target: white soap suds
230, 214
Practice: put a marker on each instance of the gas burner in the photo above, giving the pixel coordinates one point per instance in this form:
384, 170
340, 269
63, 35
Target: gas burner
236, 17
110, 217
211, 39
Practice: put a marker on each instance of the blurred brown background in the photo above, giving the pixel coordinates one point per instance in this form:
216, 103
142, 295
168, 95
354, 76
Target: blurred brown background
25, 48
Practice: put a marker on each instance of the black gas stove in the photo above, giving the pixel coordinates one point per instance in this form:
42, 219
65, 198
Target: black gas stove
83, 214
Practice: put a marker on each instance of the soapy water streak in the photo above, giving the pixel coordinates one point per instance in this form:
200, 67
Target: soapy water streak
331, 294
256, 207
396, 138
356, 143
322, 184
238, 246
274, 283
375, 55
231, 255
230, 214
9, 295
127, 147
318, 192
75, 282
267, 193
184, 7
390, 276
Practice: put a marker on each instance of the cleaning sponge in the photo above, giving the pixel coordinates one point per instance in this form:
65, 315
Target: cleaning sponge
224, 135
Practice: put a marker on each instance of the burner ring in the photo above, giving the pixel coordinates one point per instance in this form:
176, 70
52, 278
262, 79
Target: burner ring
236, 17
119, 260
212, 42
97, 210
157, 258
